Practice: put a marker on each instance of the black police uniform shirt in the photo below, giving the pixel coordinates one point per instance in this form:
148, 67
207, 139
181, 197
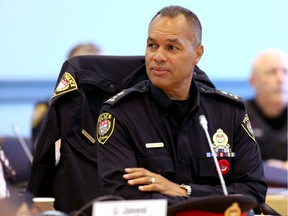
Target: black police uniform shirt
270, 133
141, 127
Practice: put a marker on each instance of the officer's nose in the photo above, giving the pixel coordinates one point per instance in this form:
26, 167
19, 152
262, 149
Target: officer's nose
160, 55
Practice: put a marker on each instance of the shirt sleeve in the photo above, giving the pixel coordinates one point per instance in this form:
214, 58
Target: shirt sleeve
115, 153
247, 175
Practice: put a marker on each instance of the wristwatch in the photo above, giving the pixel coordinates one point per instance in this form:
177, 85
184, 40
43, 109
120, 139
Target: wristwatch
187, 188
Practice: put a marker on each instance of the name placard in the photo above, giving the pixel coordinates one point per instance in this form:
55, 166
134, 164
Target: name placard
151, 207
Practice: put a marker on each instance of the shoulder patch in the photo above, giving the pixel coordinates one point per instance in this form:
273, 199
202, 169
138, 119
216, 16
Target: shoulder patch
246, 125
66, 84
105, 127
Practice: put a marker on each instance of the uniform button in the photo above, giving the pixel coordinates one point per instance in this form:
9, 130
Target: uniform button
112, 85
144, 87
203, 89
182, 160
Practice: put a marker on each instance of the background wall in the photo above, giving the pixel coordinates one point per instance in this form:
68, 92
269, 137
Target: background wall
35, 37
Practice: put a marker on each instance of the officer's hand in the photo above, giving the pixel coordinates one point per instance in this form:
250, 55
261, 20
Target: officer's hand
149, 181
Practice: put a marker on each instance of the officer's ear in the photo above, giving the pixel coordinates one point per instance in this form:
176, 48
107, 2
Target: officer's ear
199, 50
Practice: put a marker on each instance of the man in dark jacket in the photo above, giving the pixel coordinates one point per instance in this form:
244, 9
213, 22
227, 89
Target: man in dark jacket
150, 142
268, 109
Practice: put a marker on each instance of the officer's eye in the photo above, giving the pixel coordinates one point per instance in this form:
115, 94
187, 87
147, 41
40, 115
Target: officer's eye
172, 47
151, 45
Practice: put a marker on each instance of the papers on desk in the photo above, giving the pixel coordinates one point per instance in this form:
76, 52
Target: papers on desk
275, 177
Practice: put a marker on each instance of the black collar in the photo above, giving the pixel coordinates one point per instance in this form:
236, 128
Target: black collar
163, 101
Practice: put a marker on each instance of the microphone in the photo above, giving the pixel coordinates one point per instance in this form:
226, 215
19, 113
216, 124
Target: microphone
23, 143
203, 122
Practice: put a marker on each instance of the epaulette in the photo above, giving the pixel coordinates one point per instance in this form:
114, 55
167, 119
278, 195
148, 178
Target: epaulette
209, 90
139, 88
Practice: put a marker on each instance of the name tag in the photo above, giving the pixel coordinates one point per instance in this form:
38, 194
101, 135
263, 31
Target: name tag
150, 207
154, 145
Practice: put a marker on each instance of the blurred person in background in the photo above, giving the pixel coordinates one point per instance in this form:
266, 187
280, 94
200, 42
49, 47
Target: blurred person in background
84, 49
268, 109
41, 107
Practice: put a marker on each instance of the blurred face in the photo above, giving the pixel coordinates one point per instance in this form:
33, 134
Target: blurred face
270, 79
171, 56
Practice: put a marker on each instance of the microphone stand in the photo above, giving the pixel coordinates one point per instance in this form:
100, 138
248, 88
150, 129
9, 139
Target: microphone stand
23, 143
204, 124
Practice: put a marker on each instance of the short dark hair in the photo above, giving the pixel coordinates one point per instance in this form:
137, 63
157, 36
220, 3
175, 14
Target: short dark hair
191, 18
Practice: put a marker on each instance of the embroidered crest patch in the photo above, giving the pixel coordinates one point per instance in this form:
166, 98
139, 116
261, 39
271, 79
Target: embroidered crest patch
66, 84
246, 124
105, 127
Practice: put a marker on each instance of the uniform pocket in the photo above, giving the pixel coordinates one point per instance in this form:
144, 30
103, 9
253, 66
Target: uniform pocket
207, 167
81, 146
162, 165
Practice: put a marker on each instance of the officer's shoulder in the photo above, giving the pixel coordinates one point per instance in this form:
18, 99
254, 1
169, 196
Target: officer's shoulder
125, 94
222, 95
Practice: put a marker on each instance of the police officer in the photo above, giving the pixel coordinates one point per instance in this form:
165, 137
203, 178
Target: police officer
150, 142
